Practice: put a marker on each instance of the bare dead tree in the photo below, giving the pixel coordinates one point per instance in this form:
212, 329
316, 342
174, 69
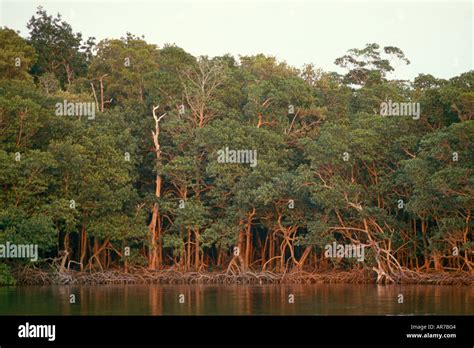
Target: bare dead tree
200, 85
155, 227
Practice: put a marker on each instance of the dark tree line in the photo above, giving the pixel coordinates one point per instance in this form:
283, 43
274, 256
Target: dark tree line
140, 185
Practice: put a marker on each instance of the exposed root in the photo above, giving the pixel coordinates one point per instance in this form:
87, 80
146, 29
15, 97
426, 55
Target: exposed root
36, 276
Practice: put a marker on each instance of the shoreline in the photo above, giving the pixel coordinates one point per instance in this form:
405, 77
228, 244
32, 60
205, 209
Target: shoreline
29, 276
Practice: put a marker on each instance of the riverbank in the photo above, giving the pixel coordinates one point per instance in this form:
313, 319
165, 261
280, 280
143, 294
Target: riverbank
35, 276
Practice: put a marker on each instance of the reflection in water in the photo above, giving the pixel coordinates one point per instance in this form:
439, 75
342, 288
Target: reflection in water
320, 299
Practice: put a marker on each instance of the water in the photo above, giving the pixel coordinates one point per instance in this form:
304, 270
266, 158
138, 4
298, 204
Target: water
320, 299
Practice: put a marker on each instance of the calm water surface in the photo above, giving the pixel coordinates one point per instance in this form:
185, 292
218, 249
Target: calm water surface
321, 299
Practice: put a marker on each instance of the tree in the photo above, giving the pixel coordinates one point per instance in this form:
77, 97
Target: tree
16, 56
60, 51
366, 65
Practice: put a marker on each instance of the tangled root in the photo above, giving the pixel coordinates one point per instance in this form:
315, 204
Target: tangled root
36, 276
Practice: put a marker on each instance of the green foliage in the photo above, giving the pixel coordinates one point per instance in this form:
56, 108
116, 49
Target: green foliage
329, 167
16, 56
6, 277
59, 50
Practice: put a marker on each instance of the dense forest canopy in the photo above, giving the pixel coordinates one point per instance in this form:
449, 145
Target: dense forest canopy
109, 158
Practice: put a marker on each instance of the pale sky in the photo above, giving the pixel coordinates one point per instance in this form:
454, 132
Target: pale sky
437, 36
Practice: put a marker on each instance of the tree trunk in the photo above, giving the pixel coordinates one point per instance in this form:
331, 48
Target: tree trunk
196, 250
188, 254
154, 257
83, 246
